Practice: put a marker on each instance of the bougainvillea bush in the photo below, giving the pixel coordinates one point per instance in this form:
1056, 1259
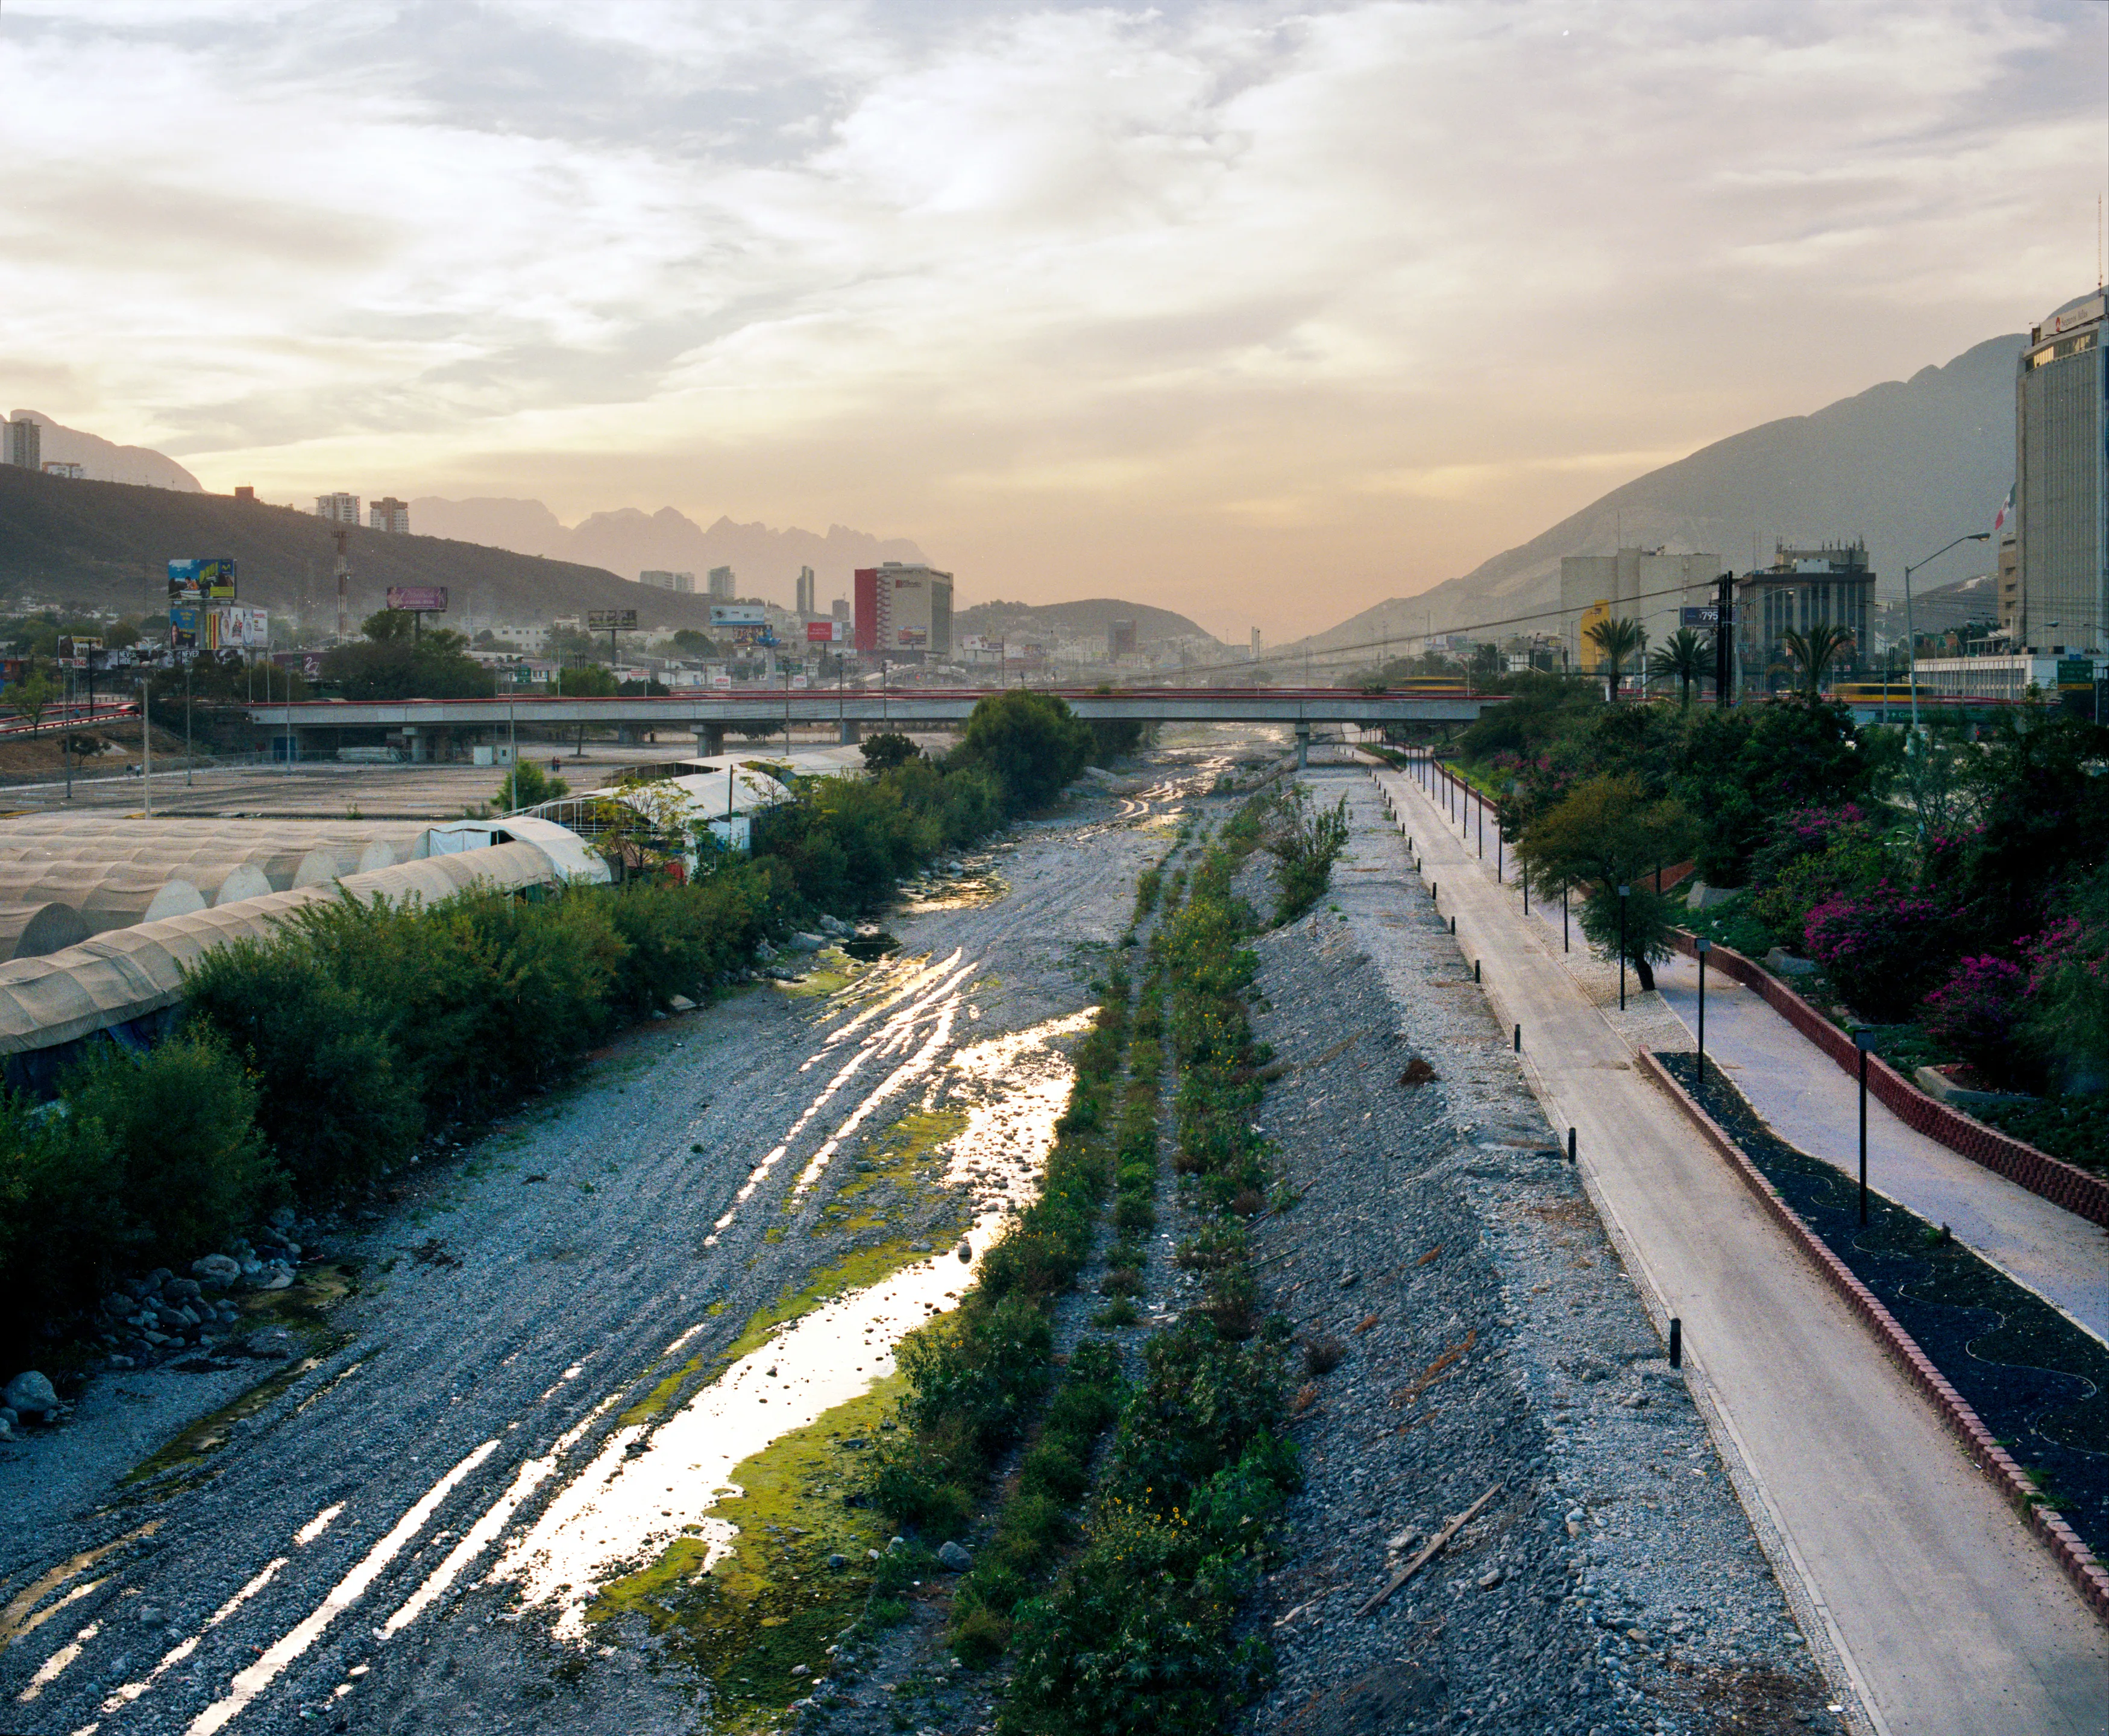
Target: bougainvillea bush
1973, 1015
2066, 1025
1884, 948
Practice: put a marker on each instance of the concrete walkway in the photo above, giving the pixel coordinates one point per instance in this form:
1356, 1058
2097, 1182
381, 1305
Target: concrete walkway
1948, 1617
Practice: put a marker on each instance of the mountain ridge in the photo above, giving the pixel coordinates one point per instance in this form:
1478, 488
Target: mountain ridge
1906, 463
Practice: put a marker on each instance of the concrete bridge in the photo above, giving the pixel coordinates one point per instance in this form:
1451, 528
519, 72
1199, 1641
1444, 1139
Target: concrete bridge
421, 722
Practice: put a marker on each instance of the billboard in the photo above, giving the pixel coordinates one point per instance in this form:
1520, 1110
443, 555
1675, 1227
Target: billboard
825, 632
186, 622
611, 620
200, 581
418, 599
738, 615
237, 629
1705, 615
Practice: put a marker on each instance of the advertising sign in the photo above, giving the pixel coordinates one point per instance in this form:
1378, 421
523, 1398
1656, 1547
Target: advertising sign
738, 615
186, 622
1705, 615
418, 599
75, 647
825, 632
913, 638
202, 582
613, 620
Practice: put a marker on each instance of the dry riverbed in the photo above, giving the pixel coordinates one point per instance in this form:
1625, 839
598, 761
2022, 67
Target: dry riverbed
487, 1498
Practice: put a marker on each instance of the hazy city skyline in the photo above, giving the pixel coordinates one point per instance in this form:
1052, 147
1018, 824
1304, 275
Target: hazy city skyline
1259, 316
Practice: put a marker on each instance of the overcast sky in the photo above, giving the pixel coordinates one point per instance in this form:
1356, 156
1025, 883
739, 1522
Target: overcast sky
1260, 314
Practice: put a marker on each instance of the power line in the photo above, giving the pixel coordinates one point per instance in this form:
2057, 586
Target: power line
1556, 612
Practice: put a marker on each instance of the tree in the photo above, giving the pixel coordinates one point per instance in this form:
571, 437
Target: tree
1032, 741
689, 643
888, 749
528, 785
33, 696
1814, 652
1486, 662
1685, 657
393, 662
1619, 639
1606, 833
588, 681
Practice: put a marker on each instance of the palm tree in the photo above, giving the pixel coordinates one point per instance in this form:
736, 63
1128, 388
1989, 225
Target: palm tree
1617, 639
1686, 656
1816, 651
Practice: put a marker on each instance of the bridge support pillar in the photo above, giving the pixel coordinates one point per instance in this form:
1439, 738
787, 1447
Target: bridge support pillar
852, 733
1302, 745
709, 740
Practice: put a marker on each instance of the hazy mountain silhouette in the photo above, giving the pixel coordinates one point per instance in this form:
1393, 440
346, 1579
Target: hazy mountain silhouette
765, 561
105, 461
1907, 464
1085, 619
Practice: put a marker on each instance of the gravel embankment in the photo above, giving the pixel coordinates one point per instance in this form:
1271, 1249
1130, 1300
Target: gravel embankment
1491, 1342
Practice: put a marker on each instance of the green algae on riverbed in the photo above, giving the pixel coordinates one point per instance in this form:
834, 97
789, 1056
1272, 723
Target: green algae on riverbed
772, 1601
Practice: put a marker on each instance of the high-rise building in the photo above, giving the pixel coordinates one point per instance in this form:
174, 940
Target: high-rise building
904, 612
337, 508
1120, 641
682, 582
804, 603
25, 445
387, 513
1643, 584
721, 590
1828, 585
840, 609
2061, 480
1255, 644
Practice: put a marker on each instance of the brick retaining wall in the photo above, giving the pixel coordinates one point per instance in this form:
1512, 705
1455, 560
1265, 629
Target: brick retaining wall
2012, 1483
2062, 1183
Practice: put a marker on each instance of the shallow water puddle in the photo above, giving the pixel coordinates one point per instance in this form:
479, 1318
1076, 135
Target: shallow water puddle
648, 1488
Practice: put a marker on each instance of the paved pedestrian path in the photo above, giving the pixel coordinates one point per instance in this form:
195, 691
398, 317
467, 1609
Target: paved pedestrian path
1949, 1616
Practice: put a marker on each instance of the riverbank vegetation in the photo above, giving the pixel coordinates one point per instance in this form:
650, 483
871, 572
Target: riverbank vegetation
1950, 887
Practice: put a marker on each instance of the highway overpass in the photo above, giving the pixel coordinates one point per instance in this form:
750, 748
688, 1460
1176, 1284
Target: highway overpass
424, 722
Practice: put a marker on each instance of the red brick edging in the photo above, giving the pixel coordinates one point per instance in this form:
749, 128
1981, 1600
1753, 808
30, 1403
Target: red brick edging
2011, 1482
2052, 1178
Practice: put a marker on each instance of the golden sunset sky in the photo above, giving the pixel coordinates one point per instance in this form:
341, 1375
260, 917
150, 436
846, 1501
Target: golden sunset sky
1256, 314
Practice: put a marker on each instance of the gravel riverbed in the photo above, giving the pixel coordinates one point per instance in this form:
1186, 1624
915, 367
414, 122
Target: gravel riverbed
506, 1311
1490, 1345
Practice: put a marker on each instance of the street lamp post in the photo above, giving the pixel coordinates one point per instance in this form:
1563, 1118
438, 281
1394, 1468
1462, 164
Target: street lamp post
1563, 919
1911, 633
1623, 890
1864, 1040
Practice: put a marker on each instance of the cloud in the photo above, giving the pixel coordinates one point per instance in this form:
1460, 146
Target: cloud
1081, 298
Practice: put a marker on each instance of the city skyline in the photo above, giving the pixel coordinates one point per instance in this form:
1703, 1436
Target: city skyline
1260, 317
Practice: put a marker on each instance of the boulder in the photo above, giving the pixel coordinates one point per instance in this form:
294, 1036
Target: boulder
1782, 963
216, 1270
803, 942
954, 1559
1705, 897
30, 1394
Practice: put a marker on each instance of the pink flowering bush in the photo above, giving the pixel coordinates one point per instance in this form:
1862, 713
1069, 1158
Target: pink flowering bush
2066, 1023
1883, 948
1973, 1014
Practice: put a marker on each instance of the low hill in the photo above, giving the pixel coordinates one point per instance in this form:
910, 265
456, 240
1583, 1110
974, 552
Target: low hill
1086, 619
107, 544
1907, 464
765, 561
